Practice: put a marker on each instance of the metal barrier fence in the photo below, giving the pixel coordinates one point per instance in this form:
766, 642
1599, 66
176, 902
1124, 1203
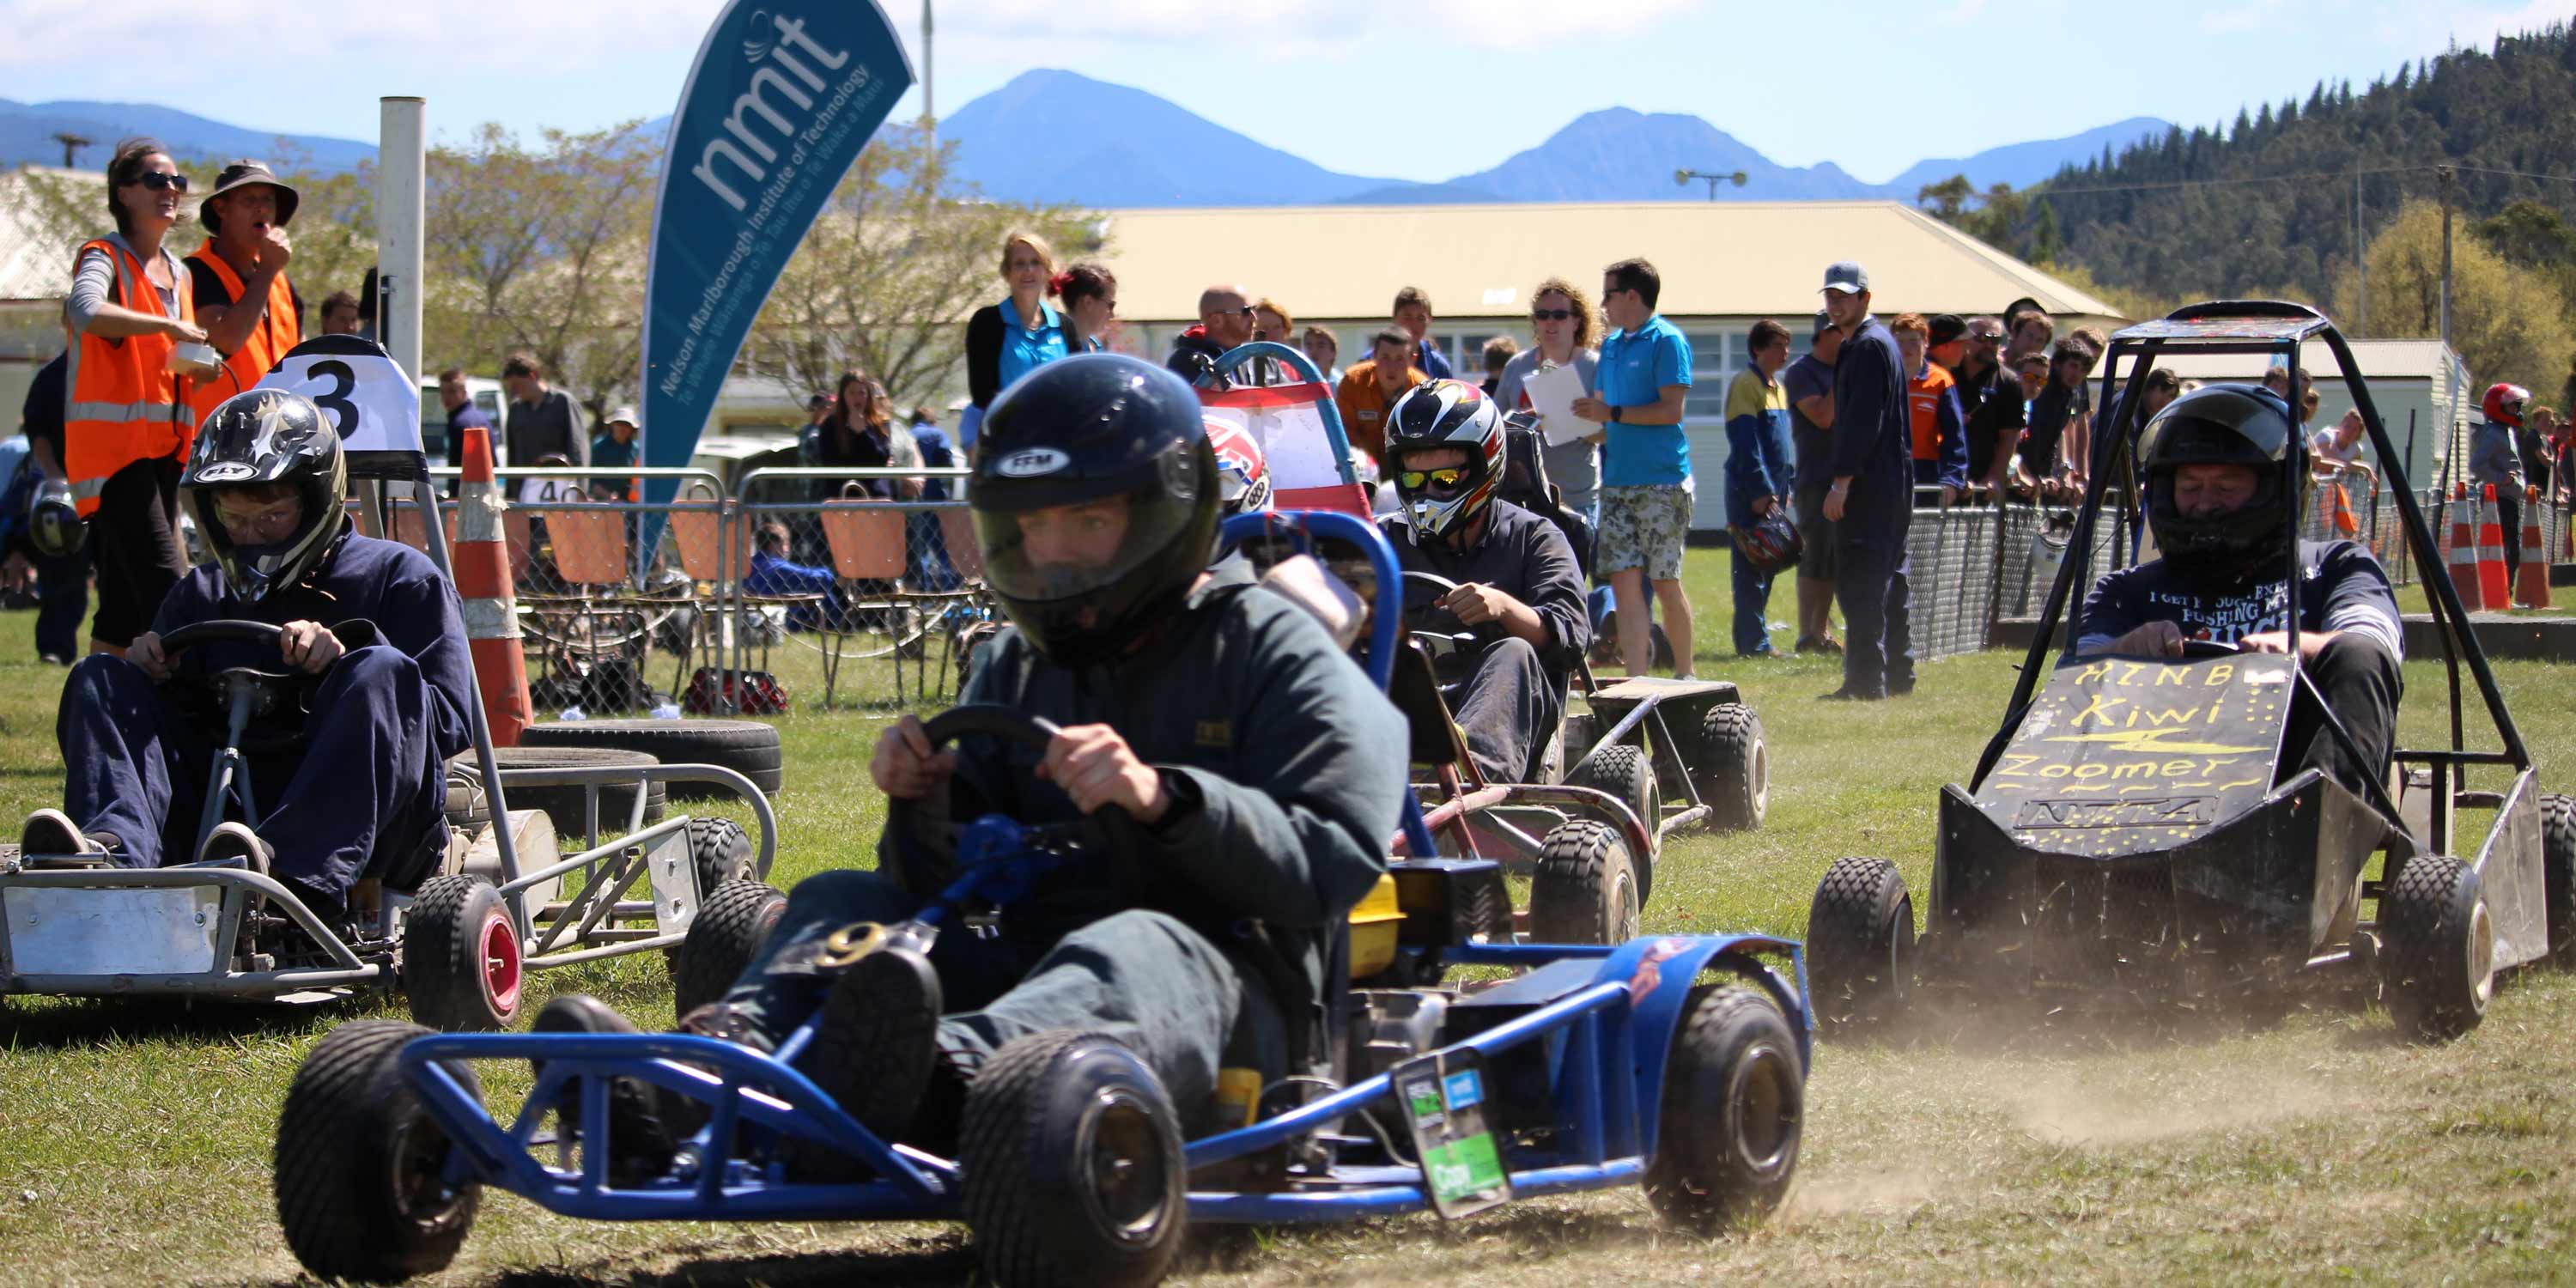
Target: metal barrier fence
1976, 565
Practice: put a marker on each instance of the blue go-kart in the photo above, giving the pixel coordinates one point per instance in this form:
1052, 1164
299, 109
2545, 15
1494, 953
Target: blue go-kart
1678, 1063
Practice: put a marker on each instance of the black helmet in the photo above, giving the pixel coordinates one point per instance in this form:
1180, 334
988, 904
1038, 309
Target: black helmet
268, 436
53, 525
2221, 425
1445, 415
1091, 428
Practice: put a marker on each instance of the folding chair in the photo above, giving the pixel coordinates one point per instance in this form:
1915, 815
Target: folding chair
867, 544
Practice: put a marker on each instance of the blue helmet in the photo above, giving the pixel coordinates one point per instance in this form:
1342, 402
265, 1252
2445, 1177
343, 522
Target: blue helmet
1096, 500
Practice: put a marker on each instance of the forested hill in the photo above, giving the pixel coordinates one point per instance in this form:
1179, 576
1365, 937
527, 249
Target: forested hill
2268, 203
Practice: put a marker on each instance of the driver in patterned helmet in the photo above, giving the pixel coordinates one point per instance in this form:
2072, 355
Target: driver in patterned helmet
352, 792
1519, 590
2219, 464
1261, 768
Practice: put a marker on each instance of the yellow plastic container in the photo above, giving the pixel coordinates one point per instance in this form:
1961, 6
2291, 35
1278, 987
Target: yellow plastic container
1373, 929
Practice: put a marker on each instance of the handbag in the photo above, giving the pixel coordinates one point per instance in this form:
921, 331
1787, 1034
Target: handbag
752, 693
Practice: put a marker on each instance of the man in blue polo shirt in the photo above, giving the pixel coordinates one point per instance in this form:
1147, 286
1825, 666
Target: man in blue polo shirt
1644, 374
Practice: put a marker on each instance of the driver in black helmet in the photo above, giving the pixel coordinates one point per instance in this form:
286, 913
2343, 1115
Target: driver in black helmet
2218, 464
1519, 589
349, 791
1263, 771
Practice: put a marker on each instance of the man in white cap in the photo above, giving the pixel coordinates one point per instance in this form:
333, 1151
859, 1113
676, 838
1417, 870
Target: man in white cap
1871, 501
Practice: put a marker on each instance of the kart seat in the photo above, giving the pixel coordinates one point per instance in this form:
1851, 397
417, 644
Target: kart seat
1436, 739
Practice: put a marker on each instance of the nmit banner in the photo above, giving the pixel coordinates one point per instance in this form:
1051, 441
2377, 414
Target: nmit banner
784, 95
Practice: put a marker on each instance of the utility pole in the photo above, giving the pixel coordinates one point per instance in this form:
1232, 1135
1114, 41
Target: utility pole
2360, 261
2445, 174
1682, 178
929, 103
72, 144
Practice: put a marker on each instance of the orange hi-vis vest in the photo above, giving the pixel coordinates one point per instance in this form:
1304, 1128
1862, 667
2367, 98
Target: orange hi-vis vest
125, 403
1923, 403
279, 330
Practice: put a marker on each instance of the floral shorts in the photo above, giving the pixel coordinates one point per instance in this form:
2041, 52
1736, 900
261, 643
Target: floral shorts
1643, 527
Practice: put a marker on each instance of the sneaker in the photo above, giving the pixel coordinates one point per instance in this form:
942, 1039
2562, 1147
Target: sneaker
1820, 644
49, 833
875, 1051
640, 1147
235, 841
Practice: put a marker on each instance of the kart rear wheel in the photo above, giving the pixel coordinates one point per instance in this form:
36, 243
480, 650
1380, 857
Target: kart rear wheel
462, 969
2558, 874
1860, 946
2440, 958
1624, 772
722, 852
358, 1165
1734, 773
1585, 889
1734, 1103
733, 923
1074, 1174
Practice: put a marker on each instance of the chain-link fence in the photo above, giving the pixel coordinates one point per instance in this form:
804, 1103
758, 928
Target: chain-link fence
1976, 565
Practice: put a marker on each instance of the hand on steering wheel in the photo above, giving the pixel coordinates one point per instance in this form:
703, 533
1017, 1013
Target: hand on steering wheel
1108, 827
165, 649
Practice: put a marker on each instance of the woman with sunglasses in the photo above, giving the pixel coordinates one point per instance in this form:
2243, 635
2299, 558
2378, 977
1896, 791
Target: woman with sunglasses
1562, 331
127, 422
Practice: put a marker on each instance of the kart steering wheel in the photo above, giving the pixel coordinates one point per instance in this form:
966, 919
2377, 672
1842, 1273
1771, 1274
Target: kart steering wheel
270, 691
222, 630
1109, 831
1422, 594
2208, 648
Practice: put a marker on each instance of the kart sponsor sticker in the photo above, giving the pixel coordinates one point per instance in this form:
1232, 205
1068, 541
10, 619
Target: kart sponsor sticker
1443, 1095
1031, 463
1649, 969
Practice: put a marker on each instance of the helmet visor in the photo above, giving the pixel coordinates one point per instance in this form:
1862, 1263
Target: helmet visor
1061, 552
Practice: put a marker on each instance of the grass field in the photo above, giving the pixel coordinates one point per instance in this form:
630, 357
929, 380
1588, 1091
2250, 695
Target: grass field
135, 1139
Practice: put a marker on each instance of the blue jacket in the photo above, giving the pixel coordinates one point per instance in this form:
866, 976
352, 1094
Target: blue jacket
1873, 438
1759, 460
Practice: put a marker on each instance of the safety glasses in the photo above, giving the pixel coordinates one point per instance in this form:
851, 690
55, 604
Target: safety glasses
1443, 479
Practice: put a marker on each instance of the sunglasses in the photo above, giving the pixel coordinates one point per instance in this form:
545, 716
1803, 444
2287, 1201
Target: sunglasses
157, 181
1983, 338
1552, 315
1444, 479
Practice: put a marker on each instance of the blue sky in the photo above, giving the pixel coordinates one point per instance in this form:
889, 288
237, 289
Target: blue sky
1870, 84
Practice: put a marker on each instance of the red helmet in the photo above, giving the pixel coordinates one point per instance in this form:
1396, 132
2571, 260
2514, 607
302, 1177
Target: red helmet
2503, 403
1243, 474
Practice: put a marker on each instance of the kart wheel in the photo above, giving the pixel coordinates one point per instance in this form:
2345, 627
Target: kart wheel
461, 956
2558, 873
1585, 889
358, 1167
1734, 1101
736, 918
1072, 1156
1628, 777
1860, 946
1734, 775
2440, 957
722, 852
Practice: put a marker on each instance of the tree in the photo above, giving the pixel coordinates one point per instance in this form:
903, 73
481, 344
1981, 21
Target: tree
2506, 324
891, 270
540, 249
1947, 199
2046, 241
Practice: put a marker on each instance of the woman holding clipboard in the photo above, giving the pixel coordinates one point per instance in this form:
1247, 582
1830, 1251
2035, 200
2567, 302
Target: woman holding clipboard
1547, 377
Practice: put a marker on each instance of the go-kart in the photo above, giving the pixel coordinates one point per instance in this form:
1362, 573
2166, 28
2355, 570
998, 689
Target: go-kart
2135, 830
1590, 832
1677, 1063
459, 946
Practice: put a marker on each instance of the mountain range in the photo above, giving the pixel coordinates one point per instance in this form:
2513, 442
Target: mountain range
1059, 137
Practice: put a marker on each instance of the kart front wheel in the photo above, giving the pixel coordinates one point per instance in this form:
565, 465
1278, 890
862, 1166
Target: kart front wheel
721, 851
360, 1168
1623, 772
1860, 946
732, 925
2440, 956
1074, 1174
462, 968
2558, 874
1734, 773
1733, 1107
1585, 889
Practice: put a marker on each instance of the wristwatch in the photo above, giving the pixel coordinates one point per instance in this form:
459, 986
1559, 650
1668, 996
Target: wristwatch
1614, 415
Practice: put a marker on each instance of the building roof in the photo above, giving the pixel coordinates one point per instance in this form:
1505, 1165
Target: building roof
1717, 259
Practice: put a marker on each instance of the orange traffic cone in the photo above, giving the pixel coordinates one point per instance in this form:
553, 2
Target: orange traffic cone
2491, 581
2532, 590
2464, 548
491, 603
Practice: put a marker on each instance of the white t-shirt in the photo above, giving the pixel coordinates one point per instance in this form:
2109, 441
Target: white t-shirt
2323, 444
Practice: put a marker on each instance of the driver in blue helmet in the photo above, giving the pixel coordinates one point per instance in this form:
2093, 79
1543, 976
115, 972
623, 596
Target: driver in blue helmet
1262, 770
2216, 463
1519, 591
354, 789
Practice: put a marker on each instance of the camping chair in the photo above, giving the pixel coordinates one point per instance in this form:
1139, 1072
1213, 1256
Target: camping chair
715, 548
866, 539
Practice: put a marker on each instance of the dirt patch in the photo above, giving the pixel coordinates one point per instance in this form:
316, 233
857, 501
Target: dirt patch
2061, 1110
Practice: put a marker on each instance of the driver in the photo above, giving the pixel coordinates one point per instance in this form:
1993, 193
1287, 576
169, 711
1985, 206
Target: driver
373, 624
1261, 768
1519, 588
2214, 462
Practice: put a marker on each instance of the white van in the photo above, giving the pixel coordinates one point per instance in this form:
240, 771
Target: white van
487, 394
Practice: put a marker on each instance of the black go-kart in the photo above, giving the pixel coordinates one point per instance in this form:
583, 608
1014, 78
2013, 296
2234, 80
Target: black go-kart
2134, 833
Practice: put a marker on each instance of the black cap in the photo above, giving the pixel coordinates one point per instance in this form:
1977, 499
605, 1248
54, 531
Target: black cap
1946, 328
1824, 323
